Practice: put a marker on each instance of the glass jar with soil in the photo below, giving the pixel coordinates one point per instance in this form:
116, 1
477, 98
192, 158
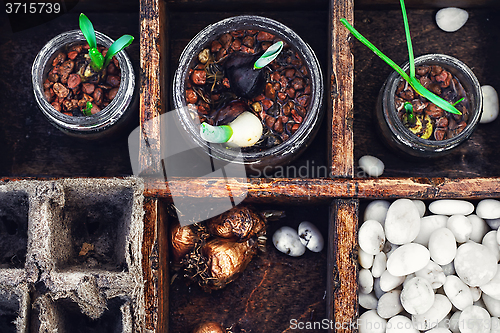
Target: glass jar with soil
64, 83
433, 132
287, 98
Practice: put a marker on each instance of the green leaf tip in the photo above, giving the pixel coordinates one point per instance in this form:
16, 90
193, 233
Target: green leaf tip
215, 134
88, 30
116, 47
271, 53
86, 111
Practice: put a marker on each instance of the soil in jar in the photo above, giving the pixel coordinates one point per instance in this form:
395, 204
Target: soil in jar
432, 122
71, 82
282, 103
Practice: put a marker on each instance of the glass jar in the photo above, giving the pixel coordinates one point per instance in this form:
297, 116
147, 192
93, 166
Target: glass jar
280, 154
398, 137
114, 117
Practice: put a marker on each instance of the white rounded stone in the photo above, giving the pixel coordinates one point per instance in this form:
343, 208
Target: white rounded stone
490, 241
371, 165
400, 324
451, 207
495, 325
408, 278
365, 259
388, 281
377, 289
492, 288
432, 273
368, 301
457, 292
442, 246
475, 264
365, 280
476, 293
492, 305
371, 322
377, 210
417, 296
371, 237
445, 323
461, 227
379, 264
448, 269
389, 304
490, 104
402, 222
408, 259
488, 209
429, 224
286, 240
451, 19
310, 236
475, 319
498, 237
493, 223
420, 206
438, 311
454, 322
439, 330
479, 228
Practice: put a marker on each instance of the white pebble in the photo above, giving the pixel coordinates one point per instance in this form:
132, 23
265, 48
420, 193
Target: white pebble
365, 279
451, 19
490, 241
475, 264
493, 223
417, 296
408, 259
448, 269
365, 259
479, 228
455, 322
492, 305
475, 319
451, 207
368, 301
476, 293
420, 206
379, 264
442, 246
429, 224
371, 237
492, 288
432, 273
377, 210
461, 227
371, 322
498, 237
408, 278
495, 325
458, 292
438, 311
377, 289
286, 240
388, 281
488, 209
400, 324
402, 222
490, 104
445, 323
439, 330
310, 236
389, 304
371, 165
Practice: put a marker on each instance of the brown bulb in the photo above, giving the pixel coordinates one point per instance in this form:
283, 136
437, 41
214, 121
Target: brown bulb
183, 240
209, 327
237, 224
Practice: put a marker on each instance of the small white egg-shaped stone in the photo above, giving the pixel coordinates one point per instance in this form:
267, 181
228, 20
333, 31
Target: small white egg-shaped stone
475, 320
417, 296
379, 264
402, 222
368, 301
247, 130
438, 311
479, 228
365, 259
439, 330
451, 19
371, 237
495, 325
492, 305
445, 323
408, 278
458, 292
286, 240
461, 227
432, 273
448, 269
429, 224
388, 281
310, 236
451, 207
476, 293
498, 237
490, 104
454, 322
488, 209
442, 246
420, 206
365, 279
493, 223
408, 259
490, 241
377, 289
377, 210
492, 288
475, 264
371, 322
400, 324
389, 304
371, 165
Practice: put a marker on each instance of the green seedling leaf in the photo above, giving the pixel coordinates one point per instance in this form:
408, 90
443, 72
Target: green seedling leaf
461, 99
268, 56
97, 60
86, 111
116, 47
88, 30
410, 116
215, 134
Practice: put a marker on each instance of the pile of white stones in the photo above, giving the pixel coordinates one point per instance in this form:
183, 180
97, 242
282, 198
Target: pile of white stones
437, 273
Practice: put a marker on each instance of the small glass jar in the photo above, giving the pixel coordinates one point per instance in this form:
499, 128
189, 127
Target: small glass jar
398, 137
277, 155
114, 117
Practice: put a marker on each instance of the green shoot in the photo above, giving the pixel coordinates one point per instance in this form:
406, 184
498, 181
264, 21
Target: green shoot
268, 56
215, 134
86, 110
461, 99
97, 60
409, 113
411, 79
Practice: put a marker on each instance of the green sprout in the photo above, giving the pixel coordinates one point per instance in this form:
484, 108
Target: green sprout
411, 79
86, 110
271, 53
410, 116
98, 61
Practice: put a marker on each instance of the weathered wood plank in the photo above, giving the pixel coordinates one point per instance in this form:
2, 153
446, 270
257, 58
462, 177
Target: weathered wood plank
383, 4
